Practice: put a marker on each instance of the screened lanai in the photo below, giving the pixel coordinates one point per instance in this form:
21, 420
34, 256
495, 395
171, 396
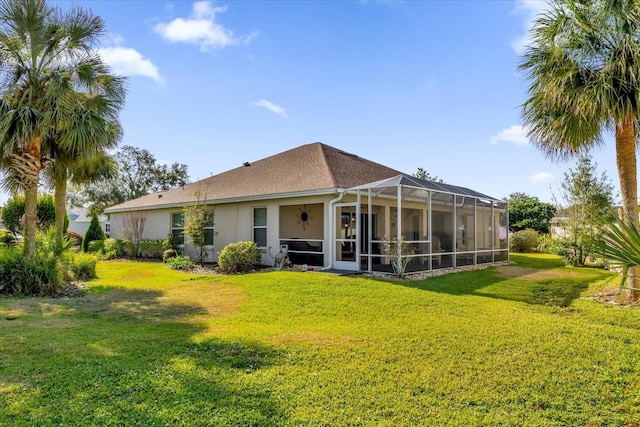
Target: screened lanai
444, 225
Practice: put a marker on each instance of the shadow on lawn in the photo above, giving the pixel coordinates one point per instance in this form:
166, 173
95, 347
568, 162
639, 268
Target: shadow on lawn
127, 357
553, 290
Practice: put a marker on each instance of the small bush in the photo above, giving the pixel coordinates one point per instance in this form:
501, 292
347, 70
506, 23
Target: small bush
523, 241
96, 246
37, 275
114, 248
7, 238
180, 263
94, 232
75, 237
391, 248
83, 266
150, 248
173, 241
169, 253
108, 249
239, 256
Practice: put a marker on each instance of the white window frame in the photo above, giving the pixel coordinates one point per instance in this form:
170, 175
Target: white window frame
212, 228
259, 227
182, 233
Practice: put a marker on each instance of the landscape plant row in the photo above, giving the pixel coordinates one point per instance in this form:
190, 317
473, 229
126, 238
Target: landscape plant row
46, 272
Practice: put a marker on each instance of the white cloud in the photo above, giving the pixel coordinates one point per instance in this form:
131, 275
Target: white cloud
528, 9
201, 28
129, 62
516, 134
542, 178
276, 109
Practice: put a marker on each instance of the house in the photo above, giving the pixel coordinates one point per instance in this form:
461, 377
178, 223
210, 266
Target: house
331, 209
79, 222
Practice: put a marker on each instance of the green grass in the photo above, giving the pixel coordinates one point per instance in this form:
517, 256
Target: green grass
148, 346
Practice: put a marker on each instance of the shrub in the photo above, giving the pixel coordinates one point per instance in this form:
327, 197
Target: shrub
523, 241
75, 237
113, 248
96, 246
173, 241
94, 232
180, 263
398, 250
169, 253
150, 248
238, 257
36, 275
108, 248
7, 238
83, 266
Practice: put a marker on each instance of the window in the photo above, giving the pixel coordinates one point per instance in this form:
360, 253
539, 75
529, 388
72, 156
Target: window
260, 226
208, 230
177, 227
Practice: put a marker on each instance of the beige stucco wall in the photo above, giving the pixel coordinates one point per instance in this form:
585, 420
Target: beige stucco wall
292, 226
233, 222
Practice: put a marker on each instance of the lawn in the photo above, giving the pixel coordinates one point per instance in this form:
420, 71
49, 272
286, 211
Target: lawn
146, 346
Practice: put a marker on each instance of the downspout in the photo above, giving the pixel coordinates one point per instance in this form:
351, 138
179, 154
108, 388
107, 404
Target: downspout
332, 202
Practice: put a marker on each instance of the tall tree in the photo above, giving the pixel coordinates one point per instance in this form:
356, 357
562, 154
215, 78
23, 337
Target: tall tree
529, 212
138, 174
47, 57
423, 174
586, 205
585, 80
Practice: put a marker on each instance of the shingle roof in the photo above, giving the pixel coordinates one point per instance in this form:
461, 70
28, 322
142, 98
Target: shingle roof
310, 168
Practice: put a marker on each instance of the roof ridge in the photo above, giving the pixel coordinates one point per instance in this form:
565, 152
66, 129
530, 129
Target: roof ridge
323, 148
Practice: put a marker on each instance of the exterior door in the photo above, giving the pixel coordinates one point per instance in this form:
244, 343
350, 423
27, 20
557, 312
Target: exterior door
346, 255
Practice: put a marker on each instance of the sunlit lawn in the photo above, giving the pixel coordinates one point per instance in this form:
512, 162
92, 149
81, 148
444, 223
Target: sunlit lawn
147, 346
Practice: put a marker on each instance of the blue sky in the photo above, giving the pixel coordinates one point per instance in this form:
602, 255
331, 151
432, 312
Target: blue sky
408, 84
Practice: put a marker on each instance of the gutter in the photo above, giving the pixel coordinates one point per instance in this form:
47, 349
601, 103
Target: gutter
181, 204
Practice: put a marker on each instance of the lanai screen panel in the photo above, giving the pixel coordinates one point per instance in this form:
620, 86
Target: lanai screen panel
444, 225
502, 212
443, 232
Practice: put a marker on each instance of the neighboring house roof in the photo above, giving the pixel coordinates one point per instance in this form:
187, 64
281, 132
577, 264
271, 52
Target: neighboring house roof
80, 216
313, 168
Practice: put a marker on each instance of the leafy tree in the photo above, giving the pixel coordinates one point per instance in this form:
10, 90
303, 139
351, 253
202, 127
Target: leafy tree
139, 174
46, 58
197, 218
585, 80
529, 212
94, 232
587, 201
426, 176
13, 213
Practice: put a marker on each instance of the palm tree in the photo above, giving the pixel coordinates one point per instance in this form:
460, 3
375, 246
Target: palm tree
585, 80
46, 58
80, 169
82, 158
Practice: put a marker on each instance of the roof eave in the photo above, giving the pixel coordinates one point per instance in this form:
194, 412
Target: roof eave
321, 192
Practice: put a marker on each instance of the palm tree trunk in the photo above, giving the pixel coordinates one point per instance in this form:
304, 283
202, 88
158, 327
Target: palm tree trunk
60, 199
31, 176
30, 218
626, 163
